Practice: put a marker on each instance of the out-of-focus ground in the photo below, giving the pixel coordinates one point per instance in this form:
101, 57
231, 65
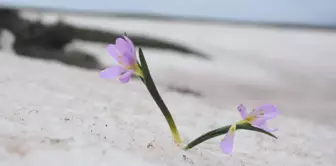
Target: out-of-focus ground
291, 68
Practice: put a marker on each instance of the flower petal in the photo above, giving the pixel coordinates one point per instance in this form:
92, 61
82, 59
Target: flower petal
111, 72
130, 43
262, 114
113, 51
122, 45
126, 50
242, 111
269, 111
124, 58
228, 141
128, 59
126, 77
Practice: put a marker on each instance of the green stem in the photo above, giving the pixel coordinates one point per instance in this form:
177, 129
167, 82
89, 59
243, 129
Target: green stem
148, 81
158, 100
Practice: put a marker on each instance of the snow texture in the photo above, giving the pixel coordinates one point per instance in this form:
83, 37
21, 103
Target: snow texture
57, 115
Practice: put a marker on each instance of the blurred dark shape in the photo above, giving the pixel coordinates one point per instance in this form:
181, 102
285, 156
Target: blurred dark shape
37, 40
140, 41
184, 90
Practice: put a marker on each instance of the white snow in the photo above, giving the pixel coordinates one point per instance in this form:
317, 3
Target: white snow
52, 114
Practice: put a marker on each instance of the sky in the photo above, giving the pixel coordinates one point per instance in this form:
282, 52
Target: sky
318, 12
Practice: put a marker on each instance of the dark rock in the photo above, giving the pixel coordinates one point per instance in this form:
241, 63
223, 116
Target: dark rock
36, 40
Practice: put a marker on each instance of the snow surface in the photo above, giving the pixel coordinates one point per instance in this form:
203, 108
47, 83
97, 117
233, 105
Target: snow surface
52, 114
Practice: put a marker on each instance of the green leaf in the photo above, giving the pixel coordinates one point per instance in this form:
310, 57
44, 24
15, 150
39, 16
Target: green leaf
247, 126
222, 131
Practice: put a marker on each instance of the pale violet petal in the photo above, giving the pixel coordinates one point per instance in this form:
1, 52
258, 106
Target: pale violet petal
113, 51
123, 45
268, 111
131, 45
112, 72
126, 77
227, 143
242, 111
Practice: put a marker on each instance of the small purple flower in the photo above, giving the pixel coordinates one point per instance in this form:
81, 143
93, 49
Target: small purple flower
258, 118
124, 52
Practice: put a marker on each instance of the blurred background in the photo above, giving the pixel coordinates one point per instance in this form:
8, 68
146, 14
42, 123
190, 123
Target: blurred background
225, 52
304, 12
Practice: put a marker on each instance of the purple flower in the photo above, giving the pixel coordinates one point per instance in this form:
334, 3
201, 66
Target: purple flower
258, 118
124, 52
